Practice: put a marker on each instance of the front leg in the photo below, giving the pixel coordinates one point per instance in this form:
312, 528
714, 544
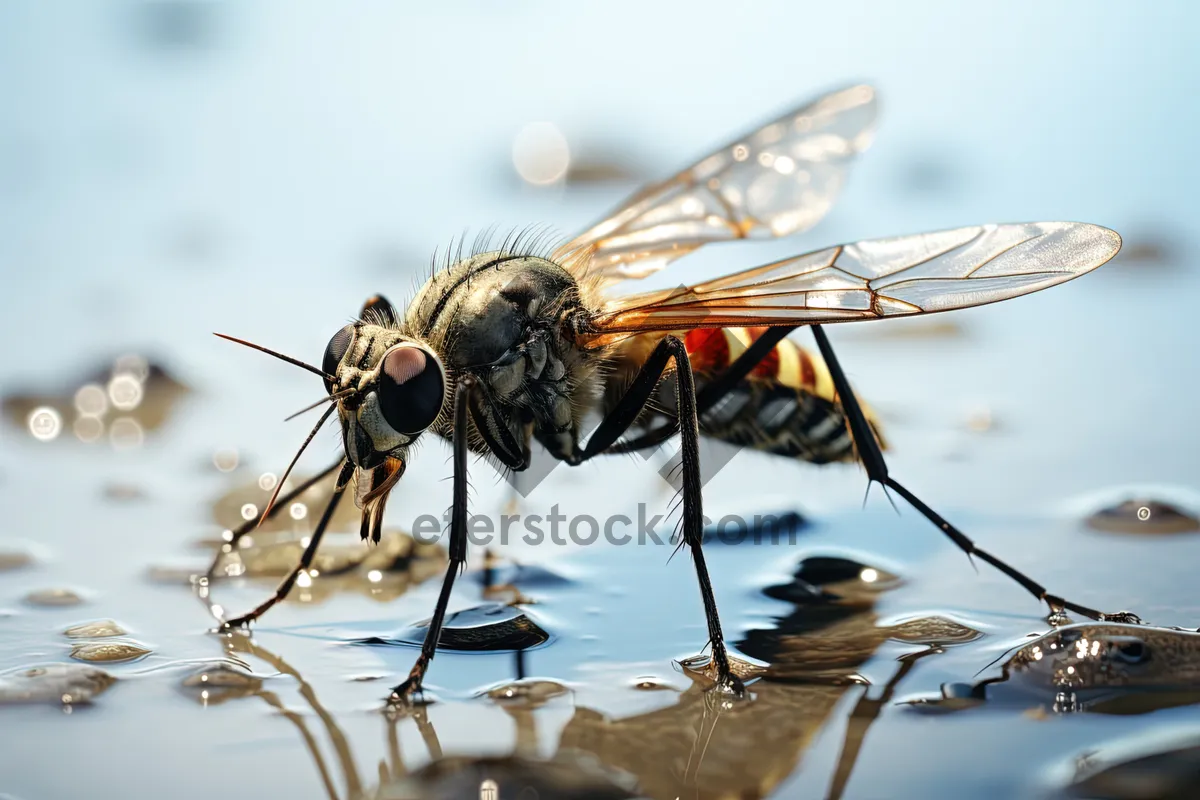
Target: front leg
458, 546
306, 557
619, 420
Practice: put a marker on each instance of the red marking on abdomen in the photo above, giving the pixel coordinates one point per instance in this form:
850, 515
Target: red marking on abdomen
768, 367
707, 348
808, 374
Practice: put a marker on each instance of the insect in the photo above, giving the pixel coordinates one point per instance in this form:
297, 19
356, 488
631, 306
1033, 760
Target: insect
511, 345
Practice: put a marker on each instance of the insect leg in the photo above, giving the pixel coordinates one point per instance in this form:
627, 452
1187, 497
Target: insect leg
872, 459
458, 545
281, 503
712, 393
306, 557
619, 420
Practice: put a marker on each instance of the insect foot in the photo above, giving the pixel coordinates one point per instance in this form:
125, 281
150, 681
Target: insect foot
726, 678
407, 695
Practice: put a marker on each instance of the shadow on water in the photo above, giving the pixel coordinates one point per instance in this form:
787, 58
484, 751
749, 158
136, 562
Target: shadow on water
706, 743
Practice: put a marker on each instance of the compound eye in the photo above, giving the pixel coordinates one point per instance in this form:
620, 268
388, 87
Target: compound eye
411, 389
334, 352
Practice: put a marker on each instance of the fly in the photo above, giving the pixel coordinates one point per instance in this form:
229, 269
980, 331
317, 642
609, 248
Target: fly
519, 343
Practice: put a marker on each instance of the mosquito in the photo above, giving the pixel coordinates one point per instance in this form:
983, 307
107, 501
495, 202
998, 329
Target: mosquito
506, 345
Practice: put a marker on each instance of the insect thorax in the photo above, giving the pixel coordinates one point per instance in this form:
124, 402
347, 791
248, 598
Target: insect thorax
506, 319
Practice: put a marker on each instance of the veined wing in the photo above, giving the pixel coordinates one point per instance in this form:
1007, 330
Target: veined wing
873, 279
777, 180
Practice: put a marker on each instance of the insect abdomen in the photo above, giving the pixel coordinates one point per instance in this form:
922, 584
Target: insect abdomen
786, 405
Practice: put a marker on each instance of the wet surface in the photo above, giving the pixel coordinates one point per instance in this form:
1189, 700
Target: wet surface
1172, 774
194, 167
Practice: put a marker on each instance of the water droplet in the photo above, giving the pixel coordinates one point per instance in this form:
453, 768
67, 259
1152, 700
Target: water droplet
109, 651
221, 682
1146, 516
98, 629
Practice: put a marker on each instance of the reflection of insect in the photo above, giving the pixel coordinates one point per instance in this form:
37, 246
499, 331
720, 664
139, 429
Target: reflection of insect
509, 345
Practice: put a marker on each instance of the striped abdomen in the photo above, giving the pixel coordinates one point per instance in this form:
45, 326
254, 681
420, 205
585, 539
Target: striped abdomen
786, 405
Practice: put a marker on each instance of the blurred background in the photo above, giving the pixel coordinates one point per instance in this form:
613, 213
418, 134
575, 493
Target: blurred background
170, 168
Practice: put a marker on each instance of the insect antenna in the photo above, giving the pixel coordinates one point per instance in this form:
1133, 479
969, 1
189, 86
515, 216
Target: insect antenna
329, 399
295, 361
288, 471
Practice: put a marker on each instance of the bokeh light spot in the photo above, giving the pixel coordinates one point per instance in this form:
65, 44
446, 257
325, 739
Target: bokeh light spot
45, 423
540, 153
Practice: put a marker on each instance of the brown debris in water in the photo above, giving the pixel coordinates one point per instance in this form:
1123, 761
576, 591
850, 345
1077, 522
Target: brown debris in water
124, 492
120, 403
247, 500
382, 571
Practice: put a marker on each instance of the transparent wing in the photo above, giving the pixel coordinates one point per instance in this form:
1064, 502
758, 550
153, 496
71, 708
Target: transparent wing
777, 180
873, 279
